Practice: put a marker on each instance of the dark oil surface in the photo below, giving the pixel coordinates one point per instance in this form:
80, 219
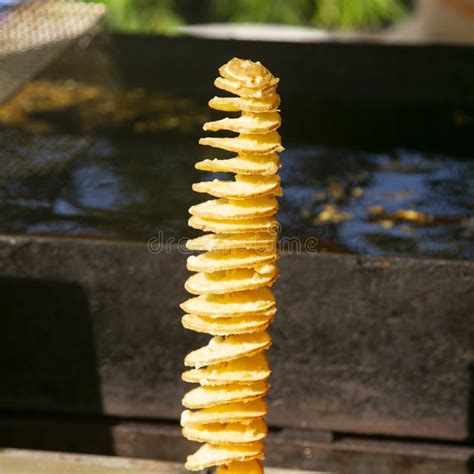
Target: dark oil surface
400, 202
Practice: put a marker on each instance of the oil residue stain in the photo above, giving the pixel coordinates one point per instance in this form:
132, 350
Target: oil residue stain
397, 203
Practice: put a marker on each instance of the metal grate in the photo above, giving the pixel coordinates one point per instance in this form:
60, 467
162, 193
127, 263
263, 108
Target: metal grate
37, 31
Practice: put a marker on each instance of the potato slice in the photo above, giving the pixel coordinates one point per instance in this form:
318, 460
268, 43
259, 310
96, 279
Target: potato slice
243, 303
226, 281
236, 208
248, 73
256, 144
222, 349
243, 412
234, 226
217, 261
205, 397
227, 326
248, 122
237, 88
214, 455
243, 164
226, 433
243, 186
246, 104
244, 370
208, 242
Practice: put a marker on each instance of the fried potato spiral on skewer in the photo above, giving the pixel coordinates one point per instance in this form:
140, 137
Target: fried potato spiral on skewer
233, 302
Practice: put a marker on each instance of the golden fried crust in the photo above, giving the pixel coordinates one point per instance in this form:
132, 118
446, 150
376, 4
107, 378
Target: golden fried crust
248, 122
209, 396
243, 186
226, 326
248, 73
243, 303
242, 412
228, 226
215, 455
234, 303
256, 144
245, 370
224, 349
227, 281
236, 88
246, 104
208, 242
218, 261
226, 433
236, 208
243, 164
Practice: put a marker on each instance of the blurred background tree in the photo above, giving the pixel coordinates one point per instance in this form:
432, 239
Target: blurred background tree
142, 16
164, 16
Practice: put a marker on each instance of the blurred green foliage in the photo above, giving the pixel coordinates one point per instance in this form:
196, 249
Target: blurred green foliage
141, 16
364, 14
296, 12
164, 16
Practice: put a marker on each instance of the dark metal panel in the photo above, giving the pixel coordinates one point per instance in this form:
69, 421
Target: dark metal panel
375, 345
361, 344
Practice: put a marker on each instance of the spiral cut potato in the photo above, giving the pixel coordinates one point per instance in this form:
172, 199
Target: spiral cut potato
233, 302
